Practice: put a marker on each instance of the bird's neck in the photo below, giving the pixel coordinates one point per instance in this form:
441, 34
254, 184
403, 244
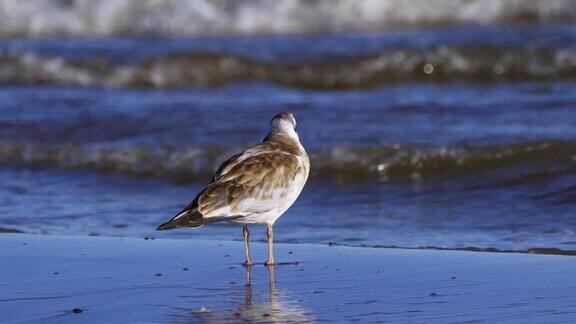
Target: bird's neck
285, 136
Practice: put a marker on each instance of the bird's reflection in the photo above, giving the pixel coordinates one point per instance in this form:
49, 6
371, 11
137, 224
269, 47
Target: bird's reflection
275, 306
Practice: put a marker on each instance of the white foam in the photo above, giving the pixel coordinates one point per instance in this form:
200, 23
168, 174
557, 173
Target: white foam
210, 17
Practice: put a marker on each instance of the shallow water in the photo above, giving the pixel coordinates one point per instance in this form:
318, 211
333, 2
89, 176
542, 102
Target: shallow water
446, 137
409, 214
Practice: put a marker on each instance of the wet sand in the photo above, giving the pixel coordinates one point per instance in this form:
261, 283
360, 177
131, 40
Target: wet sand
97, 279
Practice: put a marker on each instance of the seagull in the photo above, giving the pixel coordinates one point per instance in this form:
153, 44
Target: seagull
253, 187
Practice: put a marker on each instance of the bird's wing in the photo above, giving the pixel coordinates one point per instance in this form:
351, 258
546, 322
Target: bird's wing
228, 164
251, 182
225, 167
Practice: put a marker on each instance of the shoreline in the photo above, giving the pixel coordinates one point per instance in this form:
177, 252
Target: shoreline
532, 250
159, 280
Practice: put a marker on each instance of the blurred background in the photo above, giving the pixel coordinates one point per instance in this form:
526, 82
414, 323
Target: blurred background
445, 123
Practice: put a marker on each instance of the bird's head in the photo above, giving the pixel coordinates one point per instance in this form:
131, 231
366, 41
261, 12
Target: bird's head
283, 121
283, 129
284, 124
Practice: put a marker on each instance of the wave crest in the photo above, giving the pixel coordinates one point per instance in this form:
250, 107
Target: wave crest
210, 69
209, 17
346, 163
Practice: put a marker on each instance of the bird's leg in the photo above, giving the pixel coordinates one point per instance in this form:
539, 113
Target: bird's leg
270, 234
246, 234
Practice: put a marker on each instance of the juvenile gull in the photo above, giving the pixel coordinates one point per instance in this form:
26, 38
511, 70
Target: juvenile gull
254, 187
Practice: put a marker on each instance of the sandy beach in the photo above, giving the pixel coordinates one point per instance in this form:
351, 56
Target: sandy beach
56, 279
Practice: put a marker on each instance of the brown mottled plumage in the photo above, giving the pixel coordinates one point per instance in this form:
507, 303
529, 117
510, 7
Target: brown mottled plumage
254, 187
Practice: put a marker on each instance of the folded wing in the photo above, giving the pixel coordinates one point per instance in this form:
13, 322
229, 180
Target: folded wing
248, 183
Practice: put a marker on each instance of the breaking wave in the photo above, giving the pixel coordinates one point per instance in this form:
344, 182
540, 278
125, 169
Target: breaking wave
210, 17
486, 63
345, 163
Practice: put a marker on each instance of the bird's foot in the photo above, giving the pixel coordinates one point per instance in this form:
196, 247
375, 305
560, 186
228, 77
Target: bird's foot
247, 263
269, 263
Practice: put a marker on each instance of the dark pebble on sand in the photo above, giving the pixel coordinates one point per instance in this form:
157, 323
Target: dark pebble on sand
453, 278
185, 269
317, 291
77, 311
120, 225
433, 294
56, 273
158, 274
265, 315
227, 255
290, 252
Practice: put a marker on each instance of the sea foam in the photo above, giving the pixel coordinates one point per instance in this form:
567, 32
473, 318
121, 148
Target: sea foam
208, 17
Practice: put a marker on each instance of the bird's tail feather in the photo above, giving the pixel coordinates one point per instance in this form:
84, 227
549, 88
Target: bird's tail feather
186, 218
192, 218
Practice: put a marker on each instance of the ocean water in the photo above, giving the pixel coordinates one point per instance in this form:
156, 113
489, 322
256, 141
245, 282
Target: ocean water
444, 128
